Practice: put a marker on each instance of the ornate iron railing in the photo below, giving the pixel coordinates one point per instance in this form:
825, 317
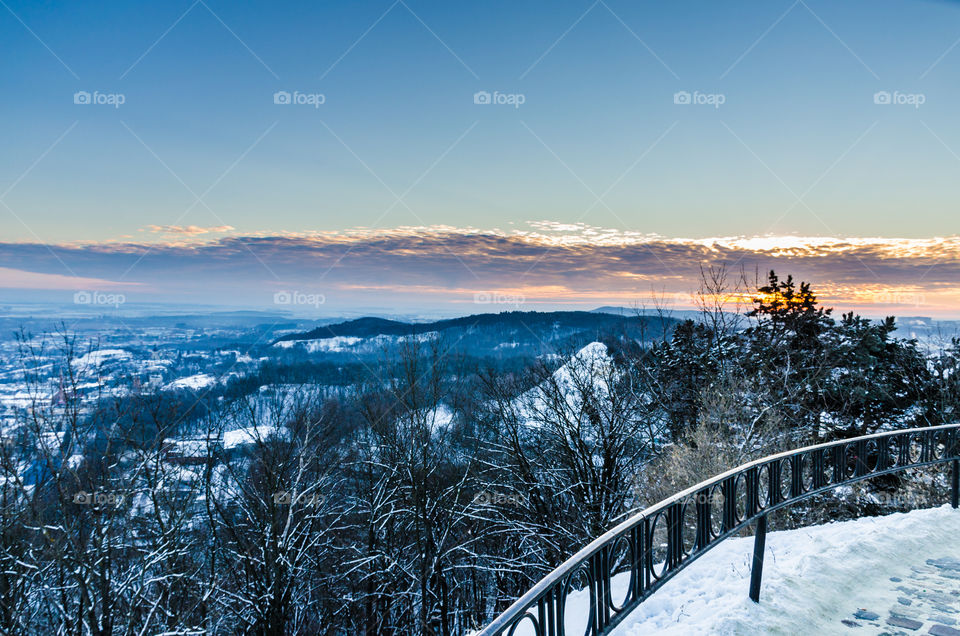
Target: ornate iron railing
626, 565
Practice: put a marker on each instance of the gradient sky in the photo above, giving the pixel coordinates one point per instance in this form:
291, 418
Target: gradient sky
190, 188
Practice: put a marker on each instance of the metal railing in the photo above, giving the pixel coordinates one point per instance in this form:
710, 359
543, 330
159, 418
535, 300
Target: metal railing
648, 549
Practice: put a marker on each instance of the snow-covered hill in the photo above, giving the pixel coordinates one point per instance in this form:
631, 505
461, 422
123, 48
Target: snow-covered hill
585, 376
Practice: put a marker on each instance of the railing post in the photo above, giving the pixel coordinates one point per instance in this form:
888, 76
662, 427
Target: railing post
674, 536
728, 489
756, 573
601, 569
955, 478
861, 459
703, 504
639, 555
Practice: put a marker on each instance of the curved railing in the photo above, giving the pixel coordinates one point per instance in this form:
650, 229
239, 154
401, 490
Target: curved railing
626, 565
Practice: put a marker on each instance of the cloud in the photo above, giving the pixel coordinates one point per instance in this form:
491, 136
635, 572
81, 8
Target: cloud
188, 230
18, 279
546, 262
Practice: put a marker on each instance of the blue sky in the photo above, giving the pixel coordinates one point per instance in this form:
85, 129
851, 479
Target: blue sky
198, 151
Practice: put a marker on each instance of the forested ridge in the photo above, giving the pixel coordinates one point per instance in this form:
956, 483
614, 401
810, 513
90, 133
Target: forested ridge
428, 494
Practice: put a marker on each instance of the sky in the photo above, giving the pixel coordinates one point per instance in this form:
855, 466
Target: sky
478, 156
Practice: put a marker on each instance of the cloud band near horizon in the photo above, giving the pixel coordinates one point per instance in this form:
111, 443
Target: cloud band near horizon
549, 264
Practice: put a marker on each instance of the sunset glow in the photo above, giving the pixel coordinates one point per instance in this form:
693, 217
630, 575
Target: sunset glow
545, 265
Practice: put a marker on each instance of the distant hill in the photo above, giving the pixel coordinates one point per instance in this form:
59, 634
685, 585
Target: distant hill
513, 332
680, 314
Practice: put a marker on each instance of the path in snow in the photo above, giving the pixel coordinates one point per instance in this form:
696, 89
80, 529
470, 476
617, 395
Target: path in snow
927, 600
876, 575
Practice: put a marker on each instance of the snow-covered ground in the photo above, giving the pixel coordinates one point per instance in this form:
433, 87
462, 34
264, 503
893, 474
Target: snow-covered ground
341, 344
813, 578
192, 382
252, 435
336, 343
99, 356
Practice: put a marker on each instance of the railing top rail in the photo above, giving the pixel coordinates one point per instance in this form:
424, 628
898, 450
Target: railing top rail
571, 564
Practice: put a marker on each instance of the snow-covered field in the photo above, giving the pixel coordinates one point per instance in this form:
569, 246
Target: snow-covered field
812, 578
252, 435
193, 382
341, 344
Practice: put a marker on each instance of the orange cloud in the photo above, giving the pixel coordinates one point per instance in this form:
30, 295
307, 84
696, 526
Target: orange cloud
188, 230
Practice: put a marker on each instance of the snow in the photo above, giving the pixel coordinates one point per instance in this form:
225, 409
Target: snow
437, 420
51, 441
188, 447
23, 398
194, 382
593, 357
287, 397
99, 356
812, 577
440, 418
591, 364
339, 344
252, 435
